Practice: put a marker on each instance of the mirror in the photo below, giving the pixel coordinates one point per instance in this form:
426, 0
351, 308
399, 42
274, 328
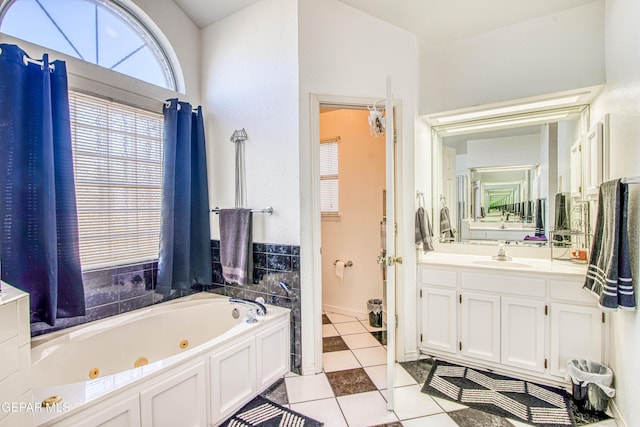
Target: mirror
503, 182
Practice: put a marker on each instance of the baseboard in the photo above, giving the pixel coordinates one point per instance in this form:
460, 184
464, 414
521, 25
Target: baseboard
345, 311
616, 414
411, 356
310, 369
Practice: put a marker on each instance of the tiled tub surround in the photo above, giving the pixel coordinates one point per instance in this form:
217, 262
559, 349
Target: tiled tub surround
272, 264
117, 290
112, 291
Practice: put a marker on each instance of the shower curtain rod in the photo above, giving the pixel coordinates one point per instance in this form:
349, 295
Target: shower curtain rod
267, 211
28, 60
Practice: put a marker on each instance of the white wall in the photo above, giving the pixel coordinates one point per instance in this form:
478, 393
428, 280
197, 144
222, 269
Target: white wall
346, 52
553, 53
250, 80
355, 234
507, 151
621, 99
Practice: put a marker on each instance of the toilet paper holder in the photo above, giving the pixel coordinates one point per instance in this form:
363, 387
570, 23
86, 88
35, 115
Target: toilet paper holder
346, 263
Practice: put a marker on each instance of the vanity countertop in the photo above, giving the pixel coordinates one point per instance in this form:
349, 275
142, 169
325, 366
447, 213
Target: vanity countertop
515, 265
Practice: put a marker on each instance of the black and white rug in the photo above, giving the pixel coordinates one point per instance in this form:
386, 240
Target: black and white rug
508, 397
261, 412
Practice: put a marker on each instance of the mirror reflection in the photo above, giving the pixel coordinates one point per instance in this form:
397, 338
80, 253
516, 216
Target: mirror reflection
513, 184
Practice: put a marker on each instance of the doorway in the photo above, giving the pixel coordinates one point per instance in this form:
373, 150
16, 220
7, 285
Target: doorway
339, 307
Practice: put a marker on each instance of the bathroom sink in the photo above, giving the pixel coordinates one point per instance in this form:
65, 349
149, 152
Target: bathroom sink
503, 264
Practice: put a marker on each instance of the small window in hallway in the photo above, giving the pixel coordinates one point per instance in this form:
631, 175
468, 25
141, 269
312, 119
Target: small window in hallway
329, 182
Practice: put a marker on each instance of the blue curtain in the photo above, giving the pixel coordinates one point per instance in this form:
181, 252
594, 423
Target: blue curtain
40, 250
185, 241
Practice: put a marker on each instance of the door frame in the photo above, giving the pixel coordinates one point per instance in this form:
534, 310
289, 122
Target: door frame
315, 102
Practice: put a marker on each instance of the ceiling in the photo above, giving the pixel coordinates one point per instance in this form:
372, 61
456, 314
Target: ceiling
433, 21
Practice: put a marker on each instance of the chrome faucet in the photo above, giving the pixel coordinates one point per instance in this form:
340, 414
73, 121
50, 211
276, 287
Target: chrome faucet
502, 256
255, 308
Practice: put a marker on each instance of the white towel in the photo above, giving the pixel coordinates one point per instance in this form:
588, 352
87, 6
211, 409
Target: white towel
340, 271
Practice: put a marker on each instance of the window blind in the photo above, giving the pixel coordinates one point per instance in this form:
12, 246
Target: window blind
117, 153
329, 188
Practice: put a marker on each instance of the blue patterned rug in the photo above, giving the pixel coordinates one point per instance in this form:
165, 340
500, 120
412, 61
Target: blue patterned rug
261, 412
507, 397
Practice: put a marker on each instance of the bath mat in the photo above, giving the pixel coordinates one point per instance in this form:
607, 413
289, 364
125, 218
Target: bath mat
507, 397
261, 412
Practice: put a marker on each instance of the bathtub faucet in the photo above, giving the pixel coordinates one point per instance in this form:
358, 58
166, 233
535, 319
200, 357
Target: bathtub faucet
255, 308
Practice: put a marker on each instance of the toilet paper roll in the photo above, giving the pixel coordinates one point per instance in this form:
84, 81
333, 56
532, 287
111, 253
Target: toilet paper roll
340, 271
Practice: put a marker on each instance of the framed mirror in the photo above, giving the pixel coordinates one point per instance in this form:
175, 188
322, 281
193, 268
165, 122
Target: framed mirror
505, 178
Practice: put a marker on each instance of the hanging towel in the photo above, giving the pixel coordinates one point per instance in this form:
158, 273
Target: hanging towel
423, 230
609, 273
540, 218
236, 245
445, 225
562, 216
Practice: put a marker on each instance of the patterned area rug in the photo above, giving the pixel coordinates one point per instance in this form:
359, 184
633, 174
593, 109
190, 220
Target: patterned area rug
504, 396
261, 412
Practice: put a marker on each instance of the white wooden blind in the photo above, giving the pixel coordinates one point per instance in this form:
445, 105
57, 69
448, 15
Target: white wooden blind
329, 182
117, 153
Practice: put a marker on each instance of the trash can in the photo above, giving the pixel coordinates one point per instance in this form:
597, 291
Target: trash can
591, 384
375, 312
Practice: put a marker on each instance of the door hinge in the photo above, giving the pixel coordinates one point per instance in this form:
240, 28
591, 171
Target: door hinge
396, 321
460, 345
395, 136
546, 363
420, 337
546, 310
603, 318
460, 298
420, 293
395, 228
580, 189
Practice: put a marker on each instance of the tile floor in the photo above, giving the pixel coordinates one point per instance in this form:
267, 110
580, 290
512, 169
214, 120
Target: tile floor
352, 390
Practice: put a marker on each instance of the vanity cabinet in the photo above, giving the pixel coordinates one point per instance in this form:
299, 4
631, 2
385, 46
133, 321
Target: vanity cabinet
523, 324
480, 326
439, 321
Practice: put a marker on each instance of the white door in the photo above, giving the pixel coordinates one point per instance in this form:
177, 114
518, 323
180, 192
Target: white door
576, 332
392, 257
438, 308
523, 326
480, 327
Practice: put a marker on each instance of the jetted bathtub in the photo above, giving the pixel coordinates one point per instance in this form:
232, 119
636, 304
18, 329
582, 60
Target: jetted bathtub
192, 361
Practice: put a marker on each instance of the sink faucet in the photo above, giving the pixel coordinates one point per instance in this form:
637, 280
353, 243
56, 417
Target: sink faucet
502, 256
255, 308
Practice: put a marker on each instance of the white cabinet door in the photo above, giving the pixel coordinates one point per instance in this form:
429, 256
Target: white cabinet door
176, 400
123, 413
576, 332
480, 327
439, 314
272, 354
523, 333
232, 378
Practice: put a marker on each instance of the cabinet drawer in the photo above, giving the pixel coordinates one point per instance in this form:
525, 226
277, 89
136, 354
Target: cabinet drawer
437, 277
570, 291
516, 285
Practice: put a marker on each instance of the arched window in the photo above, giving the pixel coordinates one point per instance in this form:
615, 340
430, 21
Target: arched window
96, 31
